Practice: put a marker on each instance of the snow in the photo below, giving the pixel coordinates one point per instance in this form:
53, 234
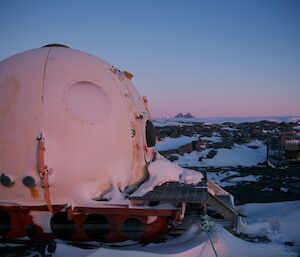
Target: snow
241, 155
166, 122
297, 128
162, 170
169, 143
63, 250
279, 222
230, 178
42, 219
220, 120
190, 177
173, 143
267, 189
215, 138
219, 177
265, 131
229, 129
90, 193
284, 189
249, 178
114, 196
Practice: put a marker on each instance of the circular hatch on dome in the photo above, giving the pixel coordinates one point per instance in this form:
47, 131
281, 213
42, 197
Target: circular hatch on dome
87, 102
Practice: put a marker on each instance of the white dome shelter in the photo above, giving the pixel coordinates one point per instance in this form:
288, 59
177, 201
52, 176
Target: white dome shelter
89, 115
76, 151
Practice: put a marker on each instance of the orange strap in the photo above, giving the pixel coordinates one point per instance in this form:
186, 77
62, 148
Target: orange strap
43, 172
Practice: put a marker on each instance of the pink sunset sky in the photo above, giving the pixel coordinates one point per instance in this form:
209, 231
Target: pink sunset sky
209, 58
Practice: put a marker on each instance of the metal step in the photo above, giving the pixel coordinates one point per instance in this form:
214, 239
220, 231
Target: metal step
222, 202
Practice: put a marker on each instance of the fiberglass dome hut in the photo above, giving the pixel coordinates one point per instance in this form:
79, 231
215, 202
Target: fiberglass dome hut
76, 154
87, 116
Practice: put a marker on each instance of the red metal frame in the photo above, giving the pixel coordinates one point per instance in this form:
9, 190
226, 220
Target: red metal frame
20, 218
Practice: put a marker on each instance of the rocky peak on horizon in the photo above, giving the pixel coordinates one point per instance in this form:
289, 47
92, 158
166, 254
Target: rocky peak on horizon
180, 115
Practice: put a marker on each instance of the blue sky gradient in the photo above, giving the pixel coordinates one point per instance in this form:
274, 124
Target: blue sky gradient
211, 58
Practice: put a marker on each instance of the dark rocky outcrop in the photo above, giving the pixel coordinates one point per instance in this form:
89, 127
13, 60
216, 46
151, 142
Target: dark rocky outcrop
173, 158
230, 133
188, 115
211, 154
188, 148
225, 144
199, 145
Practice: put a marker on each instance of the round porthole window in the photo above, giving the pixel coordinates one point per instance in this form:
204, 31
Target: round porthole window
97, 227
61, 226
87, 102
133, 229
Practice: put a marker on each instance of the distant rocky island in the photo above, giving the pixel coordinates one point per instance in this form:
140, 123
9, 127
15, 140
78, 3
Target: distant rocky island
188, 115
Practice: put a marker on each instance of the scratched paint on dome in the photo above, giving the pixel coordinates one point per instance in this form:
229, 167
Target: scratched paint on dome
9, 91
34, 193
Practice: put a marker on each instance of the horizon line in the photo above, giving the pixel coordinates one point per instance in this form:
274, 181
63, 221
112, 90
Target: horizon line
222, 117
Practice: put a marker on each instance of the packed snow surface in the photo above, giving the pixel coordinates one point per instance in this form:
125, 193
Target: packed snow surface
165, 123
278, 222
242, 155
168, 143
215, 138
230, 178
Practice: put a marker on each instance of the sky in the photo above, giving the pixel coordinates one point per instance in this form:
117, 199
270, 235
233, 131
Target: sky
211, 58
